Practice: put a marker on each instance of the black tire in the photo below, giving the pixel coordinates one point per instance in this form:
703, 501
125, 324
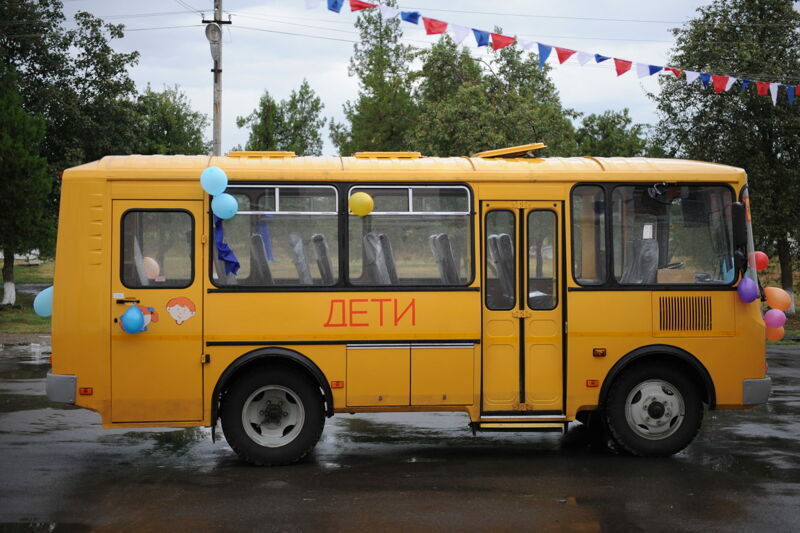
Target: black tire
287, 432
643, 413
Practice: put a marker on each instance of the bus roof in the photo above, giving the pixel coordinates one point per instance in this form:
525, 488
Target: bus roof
395, 166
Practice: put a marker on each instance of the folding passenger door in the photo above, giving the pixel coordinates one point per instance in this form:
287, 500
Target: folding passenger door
523, 322
157, 267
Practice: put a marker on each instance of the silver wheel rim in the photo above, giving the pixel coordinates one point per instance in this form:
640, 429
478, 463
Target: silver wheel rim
273, 416
654, 409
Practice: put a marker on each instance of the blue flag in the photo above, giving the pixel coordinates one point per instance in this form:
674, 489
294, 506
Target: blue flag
335, 5
654, 69
481, 37
599, 59
544, 53
706, 79
410, 16
745, 85
790, 93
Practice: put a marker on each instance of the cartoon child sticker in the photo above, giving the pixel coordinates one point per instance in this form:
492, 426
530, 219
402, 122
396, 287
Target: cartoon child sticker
181, 309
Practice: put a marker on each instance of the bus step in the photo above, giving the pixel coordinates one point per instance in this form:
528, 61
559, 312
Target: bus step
518, 426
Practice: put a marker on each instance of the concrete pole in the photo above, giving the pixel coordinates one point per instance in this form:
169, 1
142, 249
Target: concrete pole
218, 86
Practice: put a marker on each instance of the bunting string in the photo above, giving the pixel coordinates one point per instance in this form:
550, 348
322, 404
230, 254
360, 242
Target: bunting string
719, 82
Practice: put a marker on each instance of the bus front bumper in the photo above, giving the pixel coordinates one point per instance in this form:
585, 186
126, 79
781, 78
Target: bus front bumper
756, 391
61, 387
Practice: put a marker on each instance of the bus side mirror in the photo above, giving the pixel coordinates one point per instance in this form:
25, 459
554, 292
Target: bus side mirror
739, 220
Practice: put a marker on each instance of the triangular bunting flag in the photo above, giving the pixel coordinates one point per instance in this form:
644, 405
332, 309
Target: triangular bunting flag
335, 5
674, 70
563, 54
459, 32
526, 45
544, 53
584, 57
797, 90
773, 91
731, 81
622, 66
599, 59
481, 37
719, 83
745, 85
358, 5
312, 4
433, 26
642, 70
654, 69
389, 12
706, 79
762, 87
501, 41
790, 89
410, 16
691, 76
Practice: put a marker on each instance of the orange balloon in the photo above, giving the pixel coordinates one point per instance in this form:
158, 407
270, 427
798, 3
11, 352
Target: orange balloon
777, 298
775, 334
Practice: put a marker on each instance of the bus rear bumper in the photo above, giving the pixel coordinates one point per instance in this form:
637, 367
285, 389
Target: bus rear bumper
61, 387
756, 391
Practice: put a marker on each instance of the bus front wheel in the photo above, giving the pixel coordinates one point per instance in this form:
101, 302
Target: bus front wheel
653, 410
272, 417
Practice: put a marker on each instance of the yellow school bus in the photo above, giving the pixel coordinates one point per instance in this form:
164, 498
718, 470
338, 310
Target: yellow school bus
526, 292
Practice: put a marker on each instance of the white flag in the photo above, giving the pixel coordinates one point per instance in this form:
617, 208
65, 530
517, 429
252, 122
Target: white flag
459, 32
642, 70
773, 91
388, 12
730, 83
584, 57
691, 76
525, 44
312, 4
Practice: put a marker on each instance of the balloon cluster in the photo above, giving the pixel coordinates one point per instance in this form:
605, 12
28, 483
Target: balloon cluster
778, 299
214, 181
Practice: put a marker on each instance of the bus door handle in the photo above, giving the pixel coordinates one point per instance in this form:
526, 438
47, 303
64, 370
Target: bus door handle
127, 301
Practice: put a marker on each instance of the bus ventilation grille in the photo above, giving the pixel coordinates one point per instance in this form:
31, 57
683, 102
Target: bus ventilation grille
685, 313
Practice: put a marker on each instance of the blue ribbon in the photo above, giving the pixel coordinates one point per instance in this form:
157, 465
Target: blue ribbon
263, 230
224, 251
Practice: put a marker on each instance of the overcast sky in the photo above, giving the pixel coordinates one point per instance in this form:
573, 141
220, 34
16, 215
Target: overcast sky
273, 45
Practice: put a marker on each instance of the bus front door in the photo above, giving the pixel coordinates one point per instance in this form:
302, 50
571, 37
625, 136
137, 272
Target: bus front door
523, 322
157, 326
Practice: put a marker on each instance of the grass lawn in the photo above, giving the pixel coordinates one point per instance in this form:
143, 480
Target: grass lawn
20, 318
34, 273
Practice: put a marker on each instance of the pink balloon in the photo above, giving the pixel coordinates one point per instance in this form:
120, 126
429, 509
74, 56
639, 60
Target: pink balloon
774, 318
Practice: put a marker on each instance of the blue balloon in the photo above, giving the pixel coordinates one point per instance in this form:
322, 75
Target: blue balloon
132, 320
214, 181
224, 206
43, 303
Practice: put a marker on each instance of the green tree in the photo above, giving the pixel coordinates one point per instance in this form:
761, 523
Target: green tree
611, 134
293, 125
761, 41
168, 124
384, 111
24, 183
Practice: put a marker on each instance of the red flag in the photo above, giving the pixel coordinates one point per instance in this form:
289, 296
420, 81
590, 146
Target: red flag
797, 90
622, 66
501, 41
564, 54
433, 26
763, 88
720, 82
358, 5
674, 70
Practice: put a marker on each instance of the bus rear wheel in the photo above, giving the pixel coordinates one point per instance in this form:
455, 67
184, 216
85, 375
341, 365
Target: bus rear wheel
272, 417
653, 410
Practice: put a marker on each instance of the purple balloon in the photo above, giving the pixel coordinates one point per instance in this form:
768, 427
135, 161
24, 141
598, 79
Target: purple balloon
747, 289
774, 318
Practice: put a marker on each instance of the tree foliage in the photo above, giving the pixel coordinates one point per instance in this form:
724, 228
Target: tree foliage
611, 134
294, 124
755, 39
168, 124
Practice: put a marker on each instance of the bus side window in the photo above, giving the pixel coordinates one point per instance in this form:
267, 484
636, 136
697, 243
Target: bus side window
588, 235
157, 249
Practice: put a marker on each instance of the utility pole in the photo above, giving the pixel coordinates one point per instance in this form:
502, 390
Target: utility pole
214, 36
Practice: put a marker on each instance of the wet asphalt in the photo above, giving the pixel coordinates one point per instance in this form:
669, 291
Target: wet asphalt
60, 471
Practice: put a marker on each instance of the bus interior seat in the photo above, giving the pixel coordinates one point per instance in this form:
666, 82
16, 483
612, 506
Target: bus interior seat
260, 265
388, 258
300, 263
443, 252
138, 262
641, 268
375, 260
323, 258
